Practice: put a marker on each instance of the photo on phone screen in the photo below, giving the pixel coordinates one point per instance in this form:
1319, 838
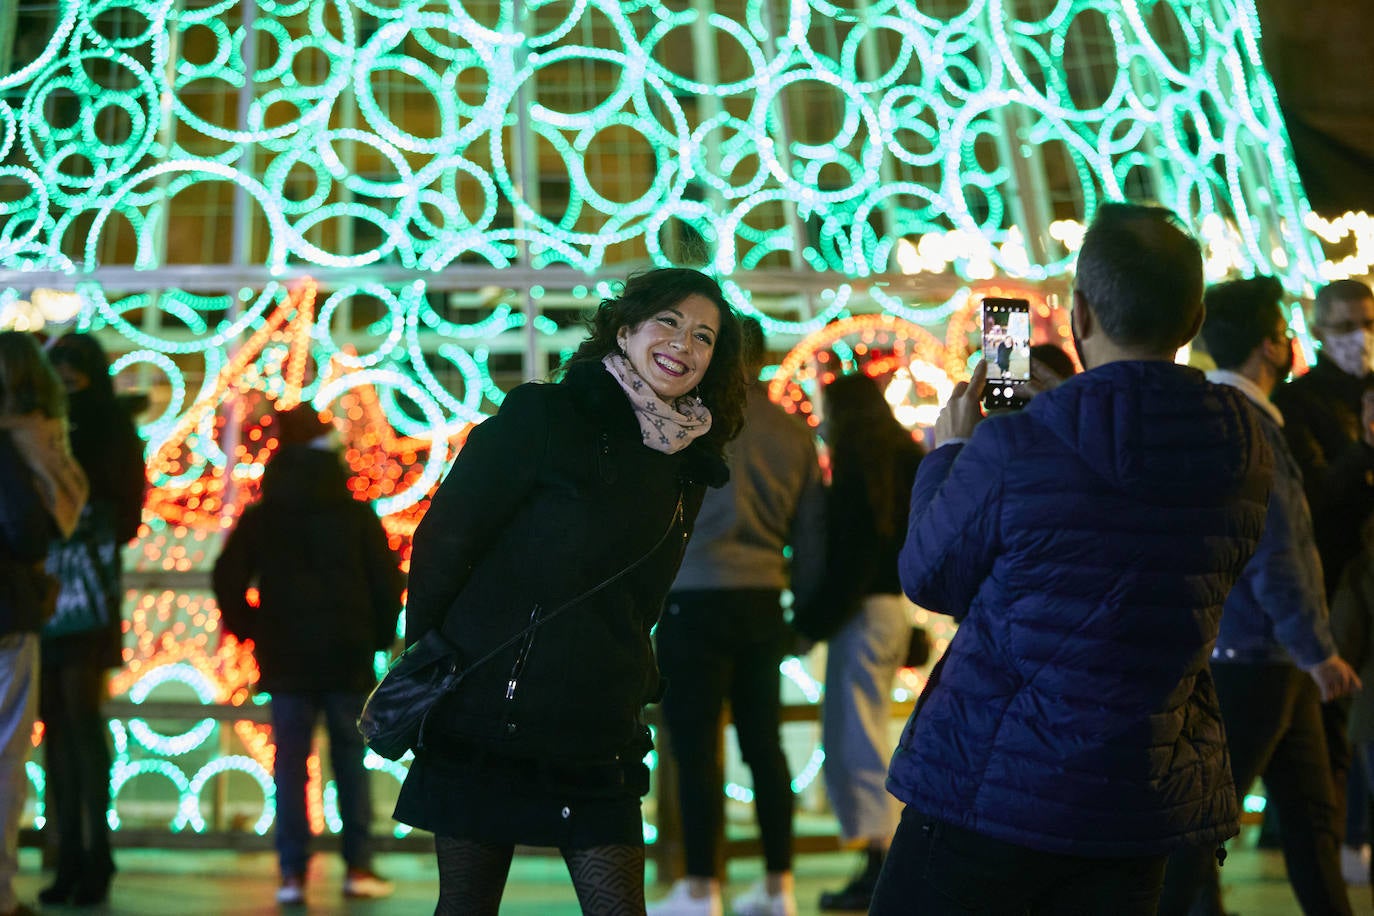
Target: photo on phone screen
1006, 348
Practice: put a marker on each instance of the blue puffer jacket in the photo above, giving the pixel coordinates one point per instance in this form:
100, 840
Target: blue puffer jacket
1088, 543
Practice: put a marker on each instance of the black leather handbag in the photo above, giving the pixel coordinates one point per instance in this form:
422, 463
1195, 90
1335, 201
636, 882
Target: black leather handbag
394, 717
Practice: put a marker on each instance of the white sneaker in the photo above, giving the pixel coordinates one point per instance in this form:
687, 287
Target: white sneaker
367, 884
680, 902
1355, 864
758, 902
292, 891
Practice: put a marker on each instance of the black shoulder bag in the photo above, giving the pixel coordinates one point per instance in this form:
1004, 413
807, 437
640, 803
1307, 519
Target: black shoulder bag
394, 717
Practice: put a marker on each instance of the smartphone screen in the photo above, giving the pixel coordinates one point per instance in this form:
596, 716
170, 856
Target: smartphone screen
1006, 348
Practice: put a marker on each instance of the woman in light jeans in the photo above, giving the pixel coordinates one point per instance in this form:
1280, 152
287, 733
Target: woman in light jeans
861, 612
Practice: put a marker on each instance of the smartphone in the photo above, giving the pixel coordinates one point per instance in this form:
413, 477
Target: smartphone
1006, 348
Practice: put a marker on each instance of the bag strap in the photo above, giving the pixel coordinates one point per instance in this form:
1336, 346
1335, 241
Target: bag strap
604, 583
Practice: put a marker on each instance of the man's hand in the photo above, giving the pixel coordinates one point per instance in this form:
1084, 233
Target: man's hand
1334, 678
964, 409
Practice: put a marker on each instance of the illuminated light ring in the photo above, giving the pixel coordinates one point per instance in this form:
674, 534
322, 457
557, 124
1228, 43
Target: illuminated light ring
922, 345
696, 215
910, 49
87, 32
900, 388
745, 141
70, 12
432, 389
401, 188
733, 226
648, 203
172, 745
326, 348
761, 68
892, 124
223, 43
10, 133
924, 316
475, 380
277, 170
10, 245
132, 151
176, 383
124, 770
210, 344
394, 241
501, 318
373, 60
489, 386
633, 66
276, 257
737, 297
437, 459
190, 801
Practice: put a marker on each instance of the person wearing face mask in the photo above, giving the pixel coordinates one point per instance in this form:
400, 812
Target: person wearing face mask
1274, 660
545, 557
1329, 425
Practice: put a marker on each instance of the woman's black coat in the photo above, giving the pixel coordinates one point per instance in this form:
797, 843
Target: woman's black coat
106, 444
546, 500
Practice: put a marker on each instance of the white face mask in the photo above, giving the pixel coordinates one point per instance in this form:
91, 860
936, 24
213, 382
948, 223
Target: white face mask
1353, 352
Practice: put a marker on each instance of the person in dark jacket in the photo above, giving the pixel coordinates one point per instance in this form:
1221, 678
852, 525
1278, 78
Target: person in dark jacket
552, 543
1070, 738
329, 598
1329, 413
42, 492
1274, 661
76, 736
723, 636
859, 610
1352, 625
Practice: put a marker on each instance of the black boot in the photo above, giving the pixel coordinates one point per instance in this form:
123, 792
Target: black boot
858, 893
60, 891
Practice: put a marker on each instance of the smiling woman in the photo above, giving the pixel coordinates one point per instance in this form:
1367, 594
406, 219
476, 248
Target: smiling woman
544, 559
672, 350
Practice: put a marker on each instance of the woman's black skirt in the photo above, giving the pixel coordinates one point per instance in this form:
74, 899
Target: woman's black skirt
461, 791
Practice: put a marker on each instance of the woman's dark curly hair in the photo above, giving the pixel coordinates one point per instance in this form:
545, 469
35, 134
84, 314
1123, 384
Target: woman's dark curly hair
646, 294
27, 380
84, 353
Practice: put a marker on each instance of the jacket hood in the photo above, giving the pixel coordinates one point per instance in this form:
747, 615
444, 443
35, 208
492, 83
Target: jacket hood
1156, 427
302, 476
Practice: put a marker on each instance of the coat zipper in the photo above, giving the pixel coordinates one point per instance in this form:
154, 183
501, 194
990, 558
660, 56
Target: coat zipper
522, 656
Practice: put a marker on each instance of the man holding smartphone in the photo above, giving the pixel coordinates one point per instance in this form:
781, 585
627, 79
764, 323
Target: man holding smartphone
1071, 737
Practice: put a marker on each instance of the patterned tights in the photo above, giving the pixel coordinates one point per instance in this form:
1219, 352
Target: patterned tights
609, 880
